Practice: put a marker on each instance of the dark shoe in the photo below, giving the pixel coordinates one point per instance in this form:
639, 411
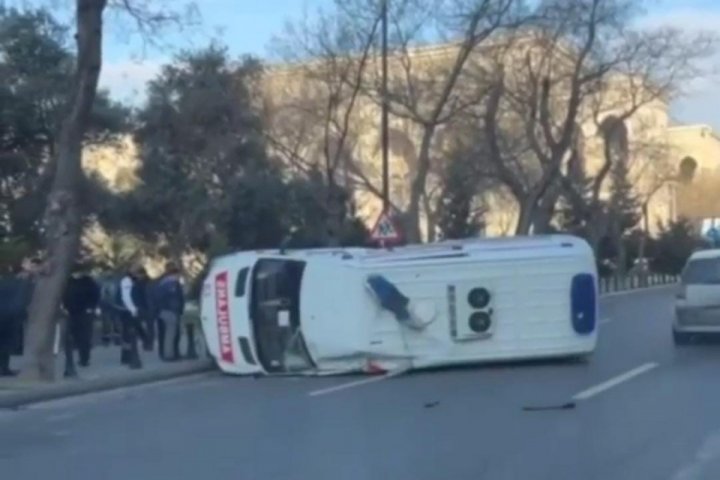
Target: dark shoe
70, 374
135, 365
124, 357
8, 373
85, 363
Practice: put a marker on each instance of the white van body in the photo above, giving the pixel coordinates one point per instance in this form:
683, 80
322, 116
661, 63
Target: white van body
315, 311
697, 307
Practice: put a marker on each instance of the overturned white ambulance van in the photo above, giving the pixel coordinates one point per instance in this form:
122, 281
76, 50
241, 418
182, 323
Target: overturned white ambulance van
325, 311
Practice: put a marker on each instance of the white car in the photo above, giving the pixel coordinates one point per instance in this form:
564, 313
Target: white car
697, 306
342, 310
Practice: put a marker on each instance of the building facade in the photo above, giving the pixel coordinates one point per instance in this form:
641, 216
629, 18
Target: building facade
305, 125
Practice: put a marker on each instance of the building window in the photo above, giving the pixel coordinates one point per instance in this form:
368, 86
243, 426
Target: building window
615, 137
687, 170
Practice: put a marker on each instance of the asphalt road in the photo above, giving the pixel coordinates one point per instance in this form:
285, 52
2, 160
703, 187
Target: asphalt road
643, 410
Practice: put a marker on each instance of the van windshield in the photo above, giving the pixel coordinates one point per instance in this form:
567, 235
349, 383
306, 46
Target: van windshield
702, 271
275, 315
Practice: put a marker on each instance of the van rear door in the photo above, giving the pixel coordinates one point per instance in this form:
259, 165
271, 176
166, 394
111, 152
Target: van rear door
701, 281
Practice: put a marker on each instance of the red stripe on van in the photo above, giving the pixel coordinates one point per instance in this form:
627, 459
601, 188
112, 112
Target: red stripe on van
222, 311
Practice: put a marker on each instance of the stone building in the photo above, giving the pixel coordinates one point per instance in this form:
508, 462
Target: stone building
674, 168
299, 117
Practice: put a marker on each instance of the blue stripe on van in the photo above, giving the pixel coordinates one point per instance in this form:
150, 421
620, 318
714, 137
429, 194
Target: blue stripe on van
583, 303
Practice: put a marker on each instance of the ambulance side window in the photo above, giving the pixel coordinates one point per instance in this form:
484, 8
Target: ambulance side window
241, 282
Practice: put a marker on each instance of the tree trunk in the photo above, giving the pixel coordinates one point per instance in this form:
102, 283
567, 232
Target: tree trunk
597, 228
62, 213
546, 210
619, 246
334, 203
417, 189
525, 218
542, 219
431, 219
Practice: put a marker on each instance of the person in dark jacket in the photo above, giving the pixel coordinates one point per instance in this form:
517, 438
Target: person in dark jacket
81, 298
140, 297
169, 302
129, 313
15, 295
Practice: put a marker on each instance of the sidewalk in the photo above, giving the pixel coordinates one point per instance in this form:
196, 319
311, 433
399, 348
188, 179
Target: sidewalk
104, 373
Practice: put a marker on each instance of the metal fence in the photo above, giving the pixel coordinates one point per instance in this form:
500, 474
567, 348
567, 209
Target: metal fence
617, 283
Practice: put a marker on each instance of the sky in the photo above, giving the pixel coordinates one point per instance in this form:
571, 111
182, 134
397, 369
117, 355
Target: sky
248, 26
245, 26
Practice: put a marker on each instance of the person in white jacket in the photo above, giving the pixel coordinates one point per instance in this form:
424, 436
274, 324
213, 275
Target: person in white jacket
131, 323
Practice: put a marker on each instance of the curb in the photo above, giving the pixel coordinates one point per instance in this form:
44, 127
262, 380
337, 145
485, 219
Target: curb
82, 387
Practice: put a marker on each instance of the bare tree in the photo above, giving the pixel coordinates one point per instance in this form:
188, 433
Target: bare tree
425, 84
313, 116
63, 213
581, 61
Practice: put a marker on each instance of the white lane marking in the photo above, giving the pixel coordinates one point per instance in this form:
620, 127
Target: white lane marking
605, 321
615, 381
357, 383
709, 451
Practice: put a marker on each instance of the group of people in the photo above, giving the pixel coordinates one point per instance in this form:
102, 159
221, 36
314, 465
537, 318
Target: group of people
143, 309
147, 310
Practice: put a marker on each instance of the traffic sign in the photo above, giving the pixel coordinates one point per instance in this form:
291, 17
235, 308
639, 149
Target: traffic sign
385, 230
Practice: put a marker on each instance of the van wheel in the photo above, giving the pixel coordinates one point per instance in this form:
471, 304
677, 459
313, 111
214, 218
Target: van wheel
680, 338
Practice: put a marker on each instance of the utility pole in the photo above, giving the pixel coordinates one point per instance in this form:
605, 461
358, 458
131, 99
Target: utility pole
384, 113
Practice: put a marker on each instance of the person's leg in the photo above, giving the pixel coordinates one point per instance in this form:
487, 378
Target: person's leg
5, 347
117, 321
125, 337
176, 340
69, 330
85, 338
134, 361
106, 327
191, 347
160, 336
170, 321
147, 324
5, 364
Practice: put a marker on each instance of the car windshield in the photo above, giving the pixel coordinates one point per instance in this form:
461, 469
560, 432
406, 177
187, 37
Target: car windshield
275, 315
702, 271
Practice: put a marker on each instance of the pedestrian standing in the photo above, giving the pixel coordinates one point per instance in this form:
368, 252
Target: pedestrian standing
81, 298
109, 310
170, 303
129, 313
140, 297
15, 294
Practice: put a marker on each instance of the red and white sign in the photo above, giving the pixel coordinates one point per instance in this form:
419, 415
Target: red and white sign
222, 309
385, 230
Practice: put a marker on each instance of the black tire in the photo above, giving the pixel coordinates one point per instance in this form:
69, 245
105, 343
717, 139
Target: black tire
680, 338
